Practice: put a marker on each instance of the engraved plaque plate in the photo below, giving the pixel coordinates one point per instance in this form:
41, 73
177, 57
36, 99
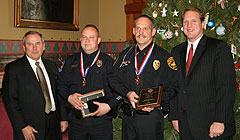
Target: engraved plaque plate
150, 97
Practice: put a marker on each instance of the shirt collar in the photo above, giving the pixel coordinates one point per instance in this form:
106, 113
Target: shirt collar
145, 50
32, 62
90, 55
195, 43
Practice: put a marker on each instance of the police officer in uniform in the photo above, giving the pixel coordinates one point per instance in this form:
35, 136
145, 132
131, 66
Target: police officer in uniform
85, 72
145, 65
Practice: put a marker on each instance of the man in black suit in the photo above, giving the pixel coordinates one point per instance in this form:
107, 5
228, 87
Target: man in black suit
203, 108
32, 109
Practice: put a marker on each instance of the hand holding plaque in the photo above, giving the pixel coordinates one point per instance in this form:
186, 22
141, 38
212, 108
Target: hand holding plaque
149, 97
89, 98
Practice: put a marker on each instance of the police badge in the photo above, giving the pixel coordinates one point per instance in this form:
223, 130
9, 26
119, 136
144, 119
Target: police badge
99, 63
156, 64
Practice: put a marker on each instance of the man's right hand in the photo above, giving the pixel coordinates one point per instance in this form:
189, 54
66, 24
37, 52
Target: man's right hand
28, 132
75, 101
175, 125
132, 96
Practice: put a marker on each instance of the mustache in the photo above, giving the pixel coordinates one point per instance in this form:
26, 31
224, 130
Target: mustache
141, 36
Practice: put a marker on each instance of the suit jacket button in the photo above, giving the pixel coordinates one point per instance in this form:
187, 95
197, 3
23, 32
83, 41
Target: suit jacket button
184, 92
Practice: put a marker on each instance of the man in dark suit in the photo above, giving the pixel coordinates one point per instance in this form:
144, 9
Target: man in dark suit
29, 93
203, 108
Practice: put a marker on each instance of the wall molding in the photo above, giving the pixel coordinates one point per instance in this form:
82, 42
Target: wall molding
14, 47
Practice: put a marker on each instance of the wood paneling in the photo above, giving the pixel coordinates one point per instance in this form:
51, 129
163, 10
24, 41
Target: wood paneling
133, 9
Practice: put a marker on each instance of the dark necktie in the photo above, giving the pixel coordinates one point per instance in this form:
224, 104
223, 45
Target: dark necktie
43, 84
189, 60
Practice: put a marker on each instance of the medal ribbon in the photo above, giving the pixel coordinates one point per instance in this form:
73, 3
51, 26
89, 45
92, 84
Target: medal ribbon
84, 72
138, 72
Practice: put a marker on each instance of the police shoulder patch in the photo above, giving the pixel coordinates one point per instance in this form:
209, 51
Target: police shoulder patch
171, 63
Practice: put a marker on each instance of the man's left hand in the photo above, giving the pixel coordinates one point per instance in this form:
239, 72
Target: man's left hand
216, 129
103, 109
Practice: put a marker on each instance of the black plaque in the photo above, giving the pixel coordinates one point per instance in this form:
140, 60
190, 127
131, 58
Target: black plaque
88, 98
150, 97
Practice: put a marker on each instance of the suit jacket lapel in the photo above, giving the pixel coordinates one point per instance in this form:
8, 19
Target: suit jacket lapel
183, 58
199, 51
29, 72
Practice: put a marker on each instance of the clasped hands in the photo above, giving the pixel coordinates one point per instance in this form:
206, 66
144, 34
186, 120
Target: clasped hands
133, 98
74, 100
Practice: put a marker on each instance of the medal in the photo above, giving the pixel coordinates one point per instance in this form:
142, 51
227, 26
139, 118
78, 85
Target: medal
138, 72
137, 80
84, 82
84, 72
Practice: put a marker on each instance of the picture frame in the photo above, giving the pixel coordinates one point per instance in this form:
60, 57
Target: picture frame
47, 14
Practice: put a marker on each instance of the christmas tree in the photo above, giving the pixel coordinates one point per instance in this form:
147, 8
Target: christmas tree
222, 22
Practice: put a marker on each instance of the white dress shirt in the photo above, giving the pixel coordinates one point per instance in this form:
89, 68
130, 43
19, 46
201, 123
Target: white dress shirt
34, 67
195, 44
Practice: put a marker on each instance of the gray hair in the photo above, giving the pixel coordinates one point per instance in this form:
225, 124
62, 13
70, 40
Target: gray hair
31, 33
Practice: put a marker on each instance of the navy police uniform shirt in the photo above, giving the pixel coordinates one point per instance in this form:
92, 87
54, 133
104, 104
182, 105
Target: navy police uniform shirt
70, 80
160, 69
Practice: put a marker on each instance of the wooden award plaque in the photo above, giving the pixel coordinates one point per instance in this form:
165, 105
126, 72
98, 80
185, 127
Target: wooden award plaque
150, 97
89, 97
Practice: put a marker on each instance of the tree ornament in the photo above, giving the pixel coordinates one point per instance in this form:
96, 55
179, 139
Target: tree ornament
155, 14
176, 32
215, 3
175, 25
175, 13
234, 18
164, 12
160, 4
176, 28
211, 23
152, 4
162, 33
189, 2
222, 2
238, 110
220, 30
206, 18
237, 88
182, 29
213, 28
233, 49
239, 8
169, 34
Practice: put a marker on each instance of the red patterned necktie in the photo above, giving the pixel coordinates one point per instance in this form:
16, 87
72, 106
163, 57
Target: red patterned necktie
189, 60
